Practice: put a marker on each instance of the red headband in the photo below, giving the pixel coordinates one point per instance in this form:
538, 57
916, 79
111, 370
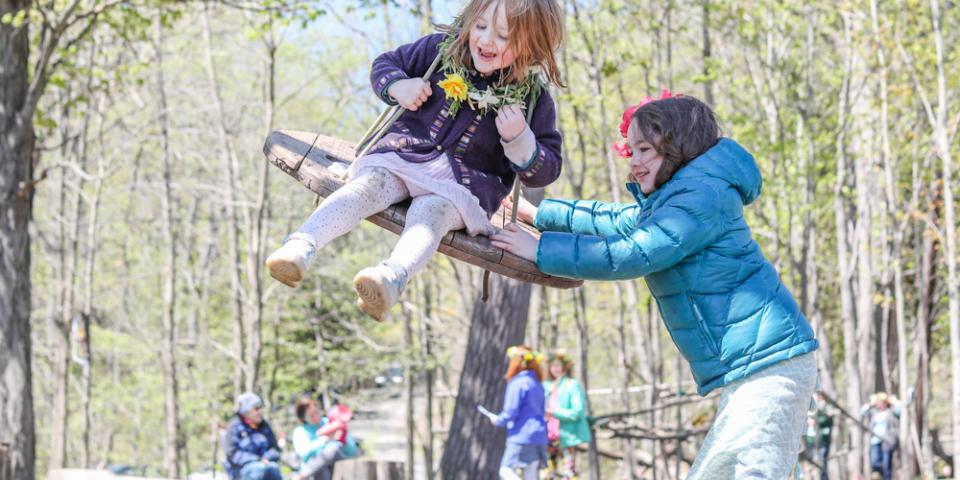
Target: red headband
623, 150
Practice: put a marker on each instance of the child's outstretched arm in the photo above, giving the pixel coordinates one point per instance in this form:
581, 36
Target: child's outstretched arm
586, 217
534, 151
407, 62
688, 221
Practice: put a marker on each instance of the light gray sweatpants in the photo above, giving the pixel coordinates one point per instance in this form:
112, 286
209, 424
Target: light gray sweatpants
759, 425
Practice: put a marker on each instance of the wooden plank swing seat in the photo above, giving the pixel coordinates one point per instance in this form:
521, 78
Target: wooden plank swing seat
320, 164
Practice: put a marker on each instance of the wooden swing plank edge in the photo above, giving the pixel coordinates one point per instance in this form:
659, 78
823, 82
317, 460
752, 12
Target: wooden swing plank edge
318, 162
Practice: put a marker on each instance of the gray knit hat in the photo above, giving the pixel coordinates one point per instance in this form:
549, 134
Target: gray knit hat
247, 401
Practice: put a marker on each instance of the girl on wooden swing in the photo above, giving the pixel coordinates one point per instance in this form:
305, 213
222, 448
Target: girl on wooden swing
464, 137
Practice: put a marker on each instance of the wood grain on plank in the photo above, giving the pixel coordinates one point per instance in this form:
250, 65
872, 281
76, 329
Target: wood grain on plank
318, 162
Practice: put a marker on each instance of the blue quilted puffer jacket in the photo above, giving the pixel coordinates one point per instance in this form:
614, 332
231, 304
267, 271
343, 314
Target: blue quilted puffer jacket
722, 301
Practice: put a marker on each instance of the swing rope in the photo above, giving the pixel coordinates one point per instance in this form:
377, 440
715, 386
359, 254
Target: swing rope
387, 118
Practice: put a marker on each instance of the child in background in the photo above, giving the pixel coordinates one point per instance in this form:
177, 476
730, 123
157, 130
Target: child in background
567, 417
342, 414
523, 416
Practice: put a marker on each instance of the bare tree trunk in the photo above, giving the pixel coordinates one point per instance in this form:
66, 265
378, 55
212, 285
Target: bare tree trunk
68, 237
61, 326
656, 369
890, 167
426, 16
427, 360
387, 24
953, 288
91, 242
474, 446
926, 286
706, 52
583, 353
255, 255
553, 309
425, 13
535, 332
625, 368
847, 312
242, 372
321, 362
17, 441
408, 392
595, 73
867, 320
642, 342
809, 275
87, 316
171, 450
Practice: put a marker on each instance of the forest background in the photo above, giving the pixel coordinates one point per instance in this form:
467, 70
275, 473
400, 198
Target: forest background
132, 171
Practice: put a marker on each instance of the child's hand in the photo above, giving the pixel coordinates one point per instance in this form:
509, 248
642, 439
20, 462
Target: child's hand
410, 93
516, 241
526, 211
510, 122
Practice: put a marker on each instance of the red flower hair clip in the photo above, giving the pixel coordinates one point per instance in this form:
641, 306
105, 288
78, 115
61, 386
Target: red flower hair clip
623, 150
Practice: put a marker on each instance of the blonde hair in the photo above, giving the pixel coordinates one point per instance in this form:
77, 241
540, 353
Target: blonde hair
523, 358
536, 32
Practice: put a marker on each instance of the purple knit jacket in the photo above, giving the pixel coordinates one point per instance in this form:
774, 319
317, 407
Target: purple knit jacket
470, 139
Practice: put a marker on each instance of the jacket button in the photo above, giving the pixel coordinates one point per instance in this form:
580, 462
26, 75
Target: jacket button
439, 148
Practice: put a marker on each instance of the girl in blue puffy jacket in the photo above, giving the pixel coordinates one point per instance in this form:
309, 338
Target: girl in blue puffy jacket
721, 300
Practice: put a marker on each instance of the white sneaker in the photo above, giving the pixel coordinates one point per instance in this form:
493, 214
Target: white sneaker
379, 287
288, 264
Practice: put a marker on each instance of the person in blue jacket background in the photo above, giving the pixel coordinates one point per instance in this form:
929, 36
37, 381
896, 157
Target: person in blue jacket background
252, 451
722, 301
523, 416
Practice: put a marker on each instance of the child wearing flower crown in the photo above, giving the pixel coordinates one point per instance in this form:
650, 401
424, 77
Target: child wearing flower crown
523, 416
567, 415
723, 303
456, 149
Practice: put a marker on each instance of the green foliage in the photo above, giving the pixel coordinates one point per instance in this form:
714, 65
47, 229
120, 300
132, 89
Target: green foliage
773, 92
15, 20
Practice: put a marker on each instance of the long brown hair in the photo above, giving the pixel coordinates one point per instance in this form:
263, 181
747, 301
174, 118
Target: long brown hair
523, 358
679, 128
536, 32
303, 404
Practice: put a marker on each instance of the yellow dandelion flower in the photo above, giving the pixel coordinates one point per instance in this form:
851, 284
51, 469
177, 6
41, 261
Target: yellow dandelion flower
454, 86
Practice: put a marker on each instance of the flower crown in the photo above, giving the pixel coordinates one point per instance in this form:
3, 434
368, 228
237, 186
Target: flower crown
458, 90
560, 356
623, 150
514, 352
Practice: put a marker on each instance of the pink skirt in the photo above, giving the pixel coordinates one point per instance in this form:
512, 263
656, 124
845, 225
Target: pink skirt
431, 178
